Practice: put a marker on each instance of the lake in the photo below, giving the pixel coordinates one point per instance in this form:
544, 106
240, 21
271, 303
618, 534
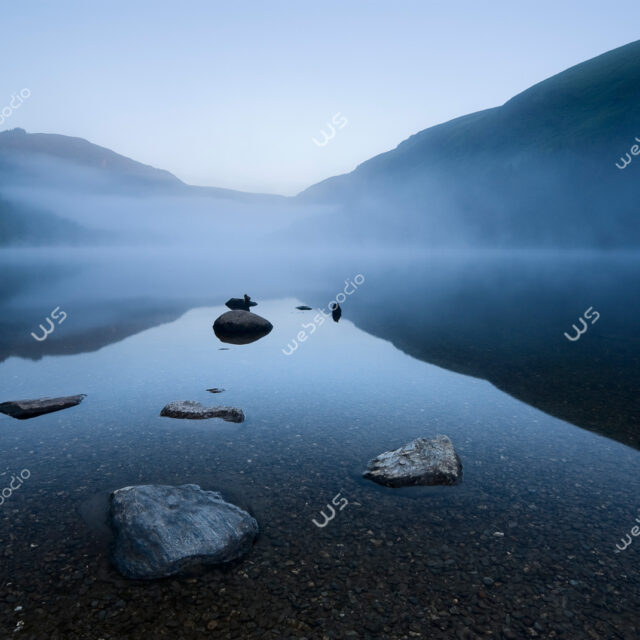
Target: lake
470, 346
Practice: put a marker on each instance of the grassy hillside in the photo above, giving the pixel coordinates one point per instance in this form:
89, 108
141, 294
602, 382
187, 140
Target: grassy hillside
540, 169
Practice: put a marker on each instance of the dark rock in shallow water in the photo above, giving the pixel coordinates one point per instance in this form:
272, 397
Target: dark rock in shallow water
240, 303
303, 307
241, 327
162, 530
421, 462
215, 390
23, 409
195, 411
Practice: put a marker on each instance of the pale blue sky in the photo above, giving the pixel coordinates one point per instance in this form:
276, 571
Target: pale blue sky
231, 94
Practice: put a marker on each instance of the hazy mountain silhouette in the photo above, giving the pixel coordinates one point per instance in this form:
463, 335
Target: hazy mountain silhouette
29, 226
539, 170
57, 189
29, 157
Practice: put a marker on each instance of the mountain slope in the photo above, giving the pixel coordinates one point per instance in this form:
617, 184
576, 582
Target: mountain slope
80, 152
22, 225
46, 158
538, 170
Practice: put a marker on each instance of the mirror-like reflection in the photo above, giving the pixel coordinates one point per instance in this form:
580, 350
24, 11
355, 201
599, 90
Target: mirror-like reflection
313, 420
497, 316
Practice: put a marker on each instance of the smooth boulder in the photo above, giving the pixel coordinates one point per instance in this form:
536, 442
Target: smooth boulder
24, 409
192, 410
241, 327
420, 462
162, 530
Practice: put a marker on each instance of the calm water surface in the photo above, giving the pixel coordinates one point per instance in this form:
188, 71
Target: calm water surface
524, 547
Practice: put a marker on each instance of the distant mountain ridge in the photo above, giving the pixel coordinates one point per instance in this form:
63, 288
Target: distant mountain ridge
18, 149
81, 152
43, 176
538, 170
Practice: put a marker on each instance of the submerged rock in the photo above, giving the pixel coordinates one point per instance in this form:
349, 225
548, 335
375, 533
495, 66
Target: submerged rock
23, 409
421, 462
161, 530
195, 411
241, 327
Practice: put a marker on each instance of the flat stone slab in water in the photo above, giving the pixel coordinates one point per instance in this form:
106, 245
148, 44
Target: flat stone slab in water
24, 409
195, 411
162, 530
421, 462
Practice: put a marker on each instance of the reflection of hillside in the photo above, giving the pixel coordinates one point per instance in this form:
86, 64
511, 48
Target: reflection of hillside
112, 294
505, 325
121, 321
497, 318
20, 277
93, 325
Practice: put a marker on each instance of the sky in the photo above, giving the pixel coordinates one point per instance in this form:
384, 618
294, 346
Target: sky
233, 94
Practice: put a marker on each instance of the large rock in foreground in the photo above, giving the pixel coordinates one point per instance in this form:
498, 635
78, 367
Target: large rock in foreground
241, 327
192, 410
161, 530
421, 462
23, 409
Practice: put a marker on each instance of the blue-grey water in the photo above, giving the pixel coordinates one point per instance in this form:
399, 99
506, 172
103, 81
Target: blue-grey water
524, 547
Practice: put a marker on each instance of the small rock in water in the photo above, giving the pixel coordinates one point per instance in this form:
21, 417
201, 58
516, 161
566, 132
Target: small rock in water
24, 409
421, 462
195, 411
161, 530
215, 390
241, 327
303, 307
241, 303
